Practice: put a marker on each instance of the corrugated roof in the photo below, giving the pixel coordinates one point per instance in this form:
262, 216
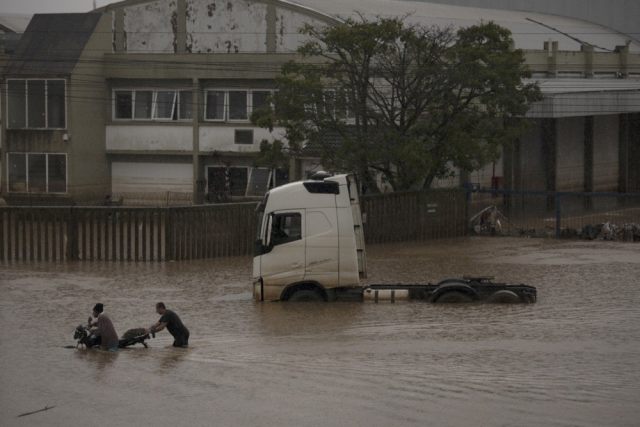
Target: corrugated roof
530, 30
52, 44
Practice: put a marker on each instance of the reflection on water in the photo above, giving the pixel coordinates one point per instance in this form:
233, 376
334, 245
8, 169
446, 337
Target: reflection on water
570, 359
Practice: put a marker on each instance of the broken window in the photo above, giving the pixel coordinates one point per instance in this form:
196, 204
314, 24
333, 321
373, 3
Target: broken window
36, 104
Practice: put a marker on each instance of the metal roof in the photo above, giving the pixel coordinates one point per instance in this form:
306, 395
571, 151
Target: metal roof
560, 85
52, 44
529, 30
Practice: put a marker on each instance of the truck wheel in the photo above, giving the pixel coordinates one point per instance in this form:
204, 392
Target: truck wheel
453, 297
305, 295
504, 297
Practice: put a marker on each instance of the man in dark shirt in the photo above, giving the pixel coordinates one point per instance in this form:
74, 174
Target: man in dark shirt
174, 325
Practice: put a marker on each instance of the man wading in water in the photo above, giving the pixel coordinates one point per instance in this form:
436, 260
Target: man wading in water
104, 328
174, 325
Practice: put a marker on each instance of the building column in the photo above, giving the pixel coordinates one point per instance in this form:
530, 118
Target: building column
549, 152
633, 159
119, 42
589, 137
181, 27
198, 113
3, 141
549, 141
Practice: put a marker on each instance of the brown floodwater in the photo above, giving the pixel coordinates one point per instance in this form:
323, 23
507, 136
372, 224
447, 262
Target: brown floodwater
571, 359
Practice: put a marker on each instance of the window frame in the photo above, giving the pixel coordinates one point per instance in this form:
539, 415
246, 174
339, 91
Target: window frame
246, 168
46, 104
235, 137
224, 104
281, 217
27, 189
227, 103
176, 110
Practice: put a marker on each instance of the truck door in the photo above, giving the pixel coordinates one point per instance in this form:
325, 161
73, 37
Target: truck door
323, 260
283, 262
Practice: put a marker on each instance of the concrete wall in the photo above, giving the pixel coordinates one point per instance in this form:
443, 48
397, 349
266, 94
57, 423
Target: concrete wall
149, 138
221, 138
570, 154
606, 153
89, 174
209, 26
529, 163
145, 177
621, 15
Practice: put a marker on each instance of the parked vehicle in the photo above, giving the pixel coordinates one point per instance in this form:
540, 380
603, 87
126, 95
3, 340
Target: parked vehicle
310, 247
132, 337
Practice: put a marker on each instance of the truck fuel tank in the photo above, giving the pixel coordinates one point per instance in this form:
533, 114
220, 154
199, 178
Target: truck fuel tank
385, 295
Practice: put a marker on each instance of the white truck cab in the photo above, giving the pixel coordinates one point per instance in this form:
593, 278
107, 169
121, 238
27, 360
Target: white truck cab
310, 240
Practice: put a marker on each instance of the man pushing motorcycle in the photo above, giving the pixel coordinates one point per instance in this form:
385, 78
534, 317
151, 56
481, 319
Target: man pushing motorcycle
174, 325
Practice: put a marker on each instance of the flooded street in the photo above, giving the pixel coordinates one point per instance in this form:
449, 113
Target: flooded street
569, 360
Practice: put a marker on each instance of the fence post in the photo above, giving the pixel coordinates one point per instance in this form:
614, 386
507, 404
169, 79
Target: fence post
168, 236
72, 235
558, 214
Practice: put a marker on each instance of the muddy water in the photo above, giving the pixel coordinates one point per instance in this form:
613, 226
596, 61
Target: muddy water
569, 360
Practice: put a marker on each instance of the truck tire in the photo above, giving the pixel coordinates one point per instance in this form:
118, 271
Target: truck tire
306, 295
453, 297
503, 297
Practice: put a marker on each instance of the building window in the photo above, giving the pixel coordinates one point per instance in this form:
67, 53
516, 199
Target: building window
234, 105
37, 172
223, 182
259, 99
36, 104
185, 105
215, 105
244, 137
238, 105
151, 104
165, 105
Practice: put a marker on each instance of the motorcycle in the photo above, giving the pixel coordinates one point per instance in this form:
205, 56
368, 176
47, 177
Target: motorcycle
132, 337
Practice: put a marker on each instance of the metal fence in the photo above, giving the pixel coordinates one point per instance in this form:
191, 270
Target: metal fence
126, 234
121, 233
550, 214
414, 216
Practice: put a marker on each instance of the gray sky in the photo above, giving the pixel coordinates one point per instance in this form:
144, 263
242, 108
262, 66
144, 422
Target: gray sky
49, 6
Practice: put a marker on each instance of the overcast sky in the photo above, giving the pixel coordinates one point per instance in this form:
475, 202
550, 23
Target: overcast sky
49, 6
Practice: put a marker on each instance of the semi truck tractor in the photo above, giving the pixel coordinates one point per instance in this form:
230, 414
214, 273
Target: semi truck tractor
310, 247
